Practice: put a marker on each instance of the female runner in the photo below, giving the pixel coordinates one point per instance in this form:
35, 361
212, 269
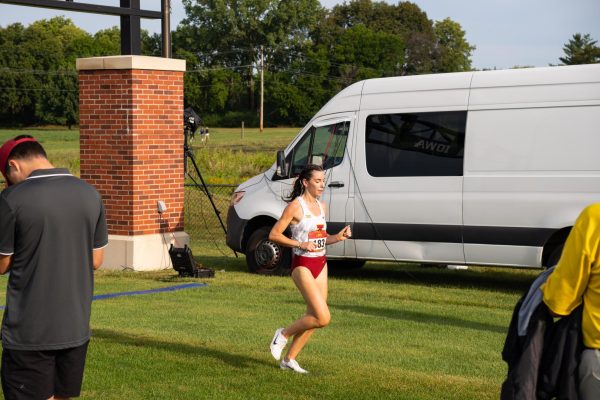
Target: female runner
305, 215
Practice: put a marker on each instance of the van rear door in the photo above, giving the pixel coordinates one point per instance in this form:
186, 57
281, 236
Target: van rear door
409, 191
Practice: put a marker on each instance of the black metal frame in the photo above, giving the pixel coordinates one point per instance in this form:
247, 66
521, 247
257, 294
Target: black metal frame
130, 14
189, 154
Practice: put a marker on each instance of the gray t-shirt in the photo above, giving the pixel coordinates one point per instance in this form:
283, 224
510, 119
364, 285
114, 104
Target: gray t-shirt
50, 223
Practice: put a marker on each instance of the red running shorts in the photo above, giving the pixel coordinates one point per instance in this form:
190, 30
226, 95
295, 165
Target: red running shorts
314, 264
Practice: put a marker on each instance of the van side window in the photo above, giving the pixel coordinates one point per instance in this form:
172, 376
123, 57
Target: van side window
416, 144
321, 145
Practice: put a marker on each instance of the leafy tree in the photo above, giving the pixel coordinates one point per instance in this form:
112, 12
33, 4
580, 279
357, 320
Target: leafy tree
310, 54
405, 20
401, 19
453, 50
231, 33
297, 90
38, 80
151, 44
581, 49
107, 42
12, 103
363, 53
41, 85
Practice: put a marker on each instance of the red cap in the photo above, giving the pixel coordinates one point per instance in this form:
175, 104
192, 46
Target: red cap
5, 150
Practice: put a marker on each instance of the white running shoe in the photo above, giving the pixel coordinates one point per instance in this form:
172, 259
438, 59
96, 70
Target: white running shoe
278, 343
293, 365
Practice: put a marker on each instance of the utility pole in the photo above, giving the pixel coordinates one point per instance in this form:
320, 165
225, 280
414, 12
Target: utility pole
262, 86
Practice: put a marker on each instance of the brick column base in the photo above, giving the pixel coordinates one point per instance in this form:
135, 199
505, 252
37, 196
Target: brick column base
131, 150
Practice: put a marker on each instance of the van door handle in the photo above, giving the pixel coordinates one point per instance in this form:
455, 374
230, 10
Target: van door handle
336, 184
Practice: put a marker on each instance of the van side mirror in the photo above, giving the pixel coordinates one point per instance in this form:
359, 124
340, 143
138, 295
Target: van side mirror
281, 167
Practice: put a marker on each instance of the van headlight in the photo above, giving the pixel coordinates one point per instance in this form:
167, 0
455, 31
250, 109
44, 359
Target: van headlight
236, 198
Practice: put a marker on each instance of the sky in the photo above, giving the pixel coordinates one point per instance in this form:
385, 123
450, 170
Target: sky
506, 33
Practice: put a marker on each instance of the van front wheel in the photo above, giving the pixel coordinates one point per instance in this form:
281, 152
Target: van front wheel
266, 257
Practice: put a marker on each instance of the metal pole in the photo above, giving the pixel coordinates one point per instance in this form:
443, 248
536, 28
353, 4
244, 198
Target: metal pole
130, 30
84, 7
262, 86
165, 8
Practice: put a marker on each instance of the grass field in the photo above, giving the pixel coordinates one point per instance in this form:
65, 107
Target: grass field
397, 332
226, 158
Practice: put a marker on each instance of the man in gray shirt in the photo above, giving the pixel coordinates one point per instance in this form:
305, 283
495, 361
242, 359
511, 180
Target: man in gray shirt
52, 235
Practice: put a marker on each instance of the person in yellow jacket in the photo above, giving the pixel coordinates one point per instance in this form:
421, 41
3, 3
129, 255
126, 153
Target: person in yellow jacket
576, 279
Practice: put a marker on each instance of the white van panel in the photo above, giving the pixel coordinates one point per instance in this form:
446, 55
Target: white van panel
409, 101
409, 251
524, 96
262, 198
520, 87
395, 204
517, 256
533, 139
494, 202
410, 200
346, 100
536, 76
528, 172
459, 80
447, 90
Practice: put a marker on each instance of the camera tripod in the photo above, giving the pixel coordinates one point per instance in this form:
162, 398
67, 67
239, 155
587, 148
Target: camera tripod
189, 154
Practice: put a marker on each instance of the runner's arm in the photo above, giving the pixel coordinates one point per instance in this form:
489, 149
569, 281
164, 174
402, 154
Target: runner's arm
342, 235
276, 235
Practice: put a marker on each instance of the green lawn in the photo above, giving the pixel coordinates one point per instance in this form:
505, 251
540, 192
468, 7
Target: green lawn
226, 158
62, 145
397, 332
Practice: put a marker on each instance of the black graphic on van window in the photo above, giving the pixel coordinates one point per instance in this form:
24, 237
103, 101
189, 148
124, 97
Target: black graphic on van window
416, 144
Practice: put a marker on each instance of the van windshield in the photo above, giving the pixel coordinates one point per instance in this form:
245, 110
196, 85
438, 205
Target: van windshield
323, 145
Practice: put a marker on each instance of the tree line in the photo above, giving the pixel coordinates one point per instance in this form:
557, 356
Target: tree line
307, 53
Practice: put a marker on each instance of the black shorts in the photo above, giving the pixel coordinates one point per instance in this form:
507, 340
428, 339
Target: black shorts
41, 374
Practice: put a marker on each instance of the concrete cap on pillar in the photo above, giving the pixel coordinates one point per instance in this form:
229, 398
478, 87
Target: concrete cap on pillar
130, 62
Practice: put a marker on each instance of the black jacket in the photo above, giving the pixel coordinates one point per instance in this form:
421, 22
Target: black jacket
543, 363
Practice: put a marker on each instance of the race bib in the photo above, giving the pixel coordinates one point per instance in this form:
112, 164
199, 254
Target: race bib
318, 238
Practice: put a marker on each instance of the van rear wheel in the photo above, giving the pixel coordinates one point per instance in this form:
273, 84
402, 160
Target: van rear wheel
265, 257
555, 255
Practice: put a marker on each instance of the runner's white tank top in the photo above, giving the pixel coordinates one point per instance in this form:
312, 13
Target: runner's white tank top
311, 228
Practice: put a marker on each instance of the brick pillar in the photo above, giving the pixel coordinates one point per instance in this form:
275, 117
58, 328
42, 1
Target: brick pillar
131, 150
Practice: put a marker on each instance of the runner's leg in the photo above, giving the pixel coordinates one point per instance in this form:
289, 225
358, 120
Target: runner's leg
316, 308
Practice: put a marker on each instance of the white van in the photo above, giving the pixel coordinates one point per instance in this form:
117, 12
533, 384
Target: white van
481, 168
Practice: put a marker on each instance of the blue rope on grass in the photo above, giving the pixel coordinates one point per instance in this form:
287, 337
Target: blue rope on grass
139, 292
149, 291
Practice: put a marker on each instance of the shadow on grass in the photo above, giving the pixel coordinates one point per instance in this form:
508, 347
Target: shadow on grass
228, 263
420, 317
505, 280
511, 280
235, 360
